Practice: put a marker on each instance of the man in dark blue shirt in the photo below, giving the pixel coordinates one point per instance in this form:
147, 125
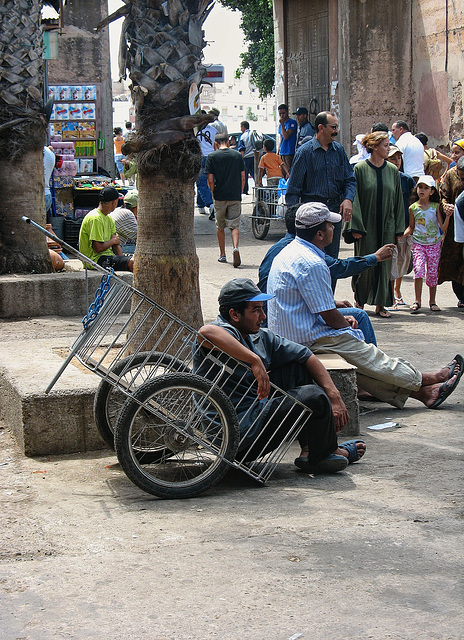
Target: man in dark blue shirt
321, 172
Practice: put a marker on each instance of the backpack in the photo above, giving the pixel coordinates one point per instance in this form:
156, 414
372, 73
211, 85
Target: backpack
432, 164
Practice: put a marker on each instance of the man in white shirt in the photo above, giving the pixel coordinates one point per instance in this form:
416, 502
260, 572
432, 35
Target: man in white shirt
413, 153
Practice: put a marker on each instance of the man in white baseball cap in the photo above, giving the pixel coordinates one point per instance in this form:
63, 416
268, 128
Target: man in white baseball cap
304, 310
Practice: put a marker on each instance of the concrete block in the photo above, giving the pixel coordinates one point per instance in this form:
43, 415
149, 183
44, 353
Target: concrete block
44, 424
343, 375
50, 294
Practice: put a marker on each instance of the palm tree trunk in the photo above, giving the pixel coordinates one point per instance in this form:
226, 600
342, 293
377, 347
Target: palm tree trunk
22, 136
166, 264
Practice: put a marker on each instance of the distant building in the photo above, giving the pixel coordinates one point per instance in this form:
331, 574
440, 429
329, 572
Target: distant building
239, 100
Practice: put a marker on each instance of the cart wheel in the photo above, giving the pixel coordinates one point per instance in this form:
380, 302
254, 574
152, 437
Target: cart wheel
132, 371
186, 415
260, 225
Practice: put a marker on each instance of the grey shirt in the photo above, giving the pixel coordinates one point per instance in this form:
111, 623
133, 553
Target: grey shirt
274, 352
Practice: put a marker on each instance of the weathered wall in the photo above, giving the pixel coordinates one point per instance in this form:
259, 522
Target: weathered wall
438, 70
380, 63
84, 58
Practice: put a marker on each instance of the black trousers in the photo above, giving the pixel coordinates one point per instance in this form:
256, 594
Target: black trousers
318, 432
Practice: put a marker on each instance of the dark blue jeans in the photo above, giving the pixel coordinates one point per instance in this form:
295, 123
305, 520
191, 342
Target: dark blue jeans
204, 195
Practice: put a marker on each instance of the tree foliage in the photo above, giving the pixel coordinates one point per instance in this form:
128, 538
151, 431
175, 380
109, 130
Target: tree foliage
258, 26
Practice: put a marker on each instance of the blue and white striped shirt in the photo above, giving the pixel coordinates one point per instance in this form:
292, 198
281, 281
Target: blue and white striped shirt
300, 280
326, 176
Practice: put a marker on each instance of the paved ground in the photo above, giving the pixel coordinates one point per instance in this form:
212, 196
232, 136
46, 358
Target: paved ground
374, 552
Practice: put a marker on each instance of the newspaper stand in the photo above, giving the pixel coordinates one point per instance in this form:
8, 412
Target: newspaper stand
176, 433
268, 205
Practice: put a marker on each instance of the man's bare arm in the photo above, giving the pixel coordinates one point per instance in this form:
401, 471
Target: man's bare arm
219, 337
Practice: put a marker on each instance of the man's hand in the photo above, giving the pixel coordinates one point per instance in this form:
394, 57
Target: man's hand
352, 321
114, 239
385, 252
356, 236
340, 413
343, 304
346, 210
260, 373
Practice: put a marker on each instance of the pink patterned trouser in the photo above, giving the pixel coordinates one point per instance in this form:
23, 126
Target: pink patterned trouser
429, 254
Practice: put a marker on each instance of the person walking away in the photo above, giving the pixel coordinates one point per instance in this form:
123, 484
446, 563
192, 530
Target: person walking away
246, 148
426, 226
273, 164
206, 137
287, 134
118, 141
226, 178
378, 219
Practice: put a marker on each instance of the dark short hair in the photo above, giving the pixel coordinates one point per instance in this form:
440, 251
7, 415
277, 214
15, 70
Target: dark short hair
309, 234
221, 138
379, 126
245, 124
422, 137
128, 125
269, 144
402, 124
117, 130
282, 106
239, 307
321, 118
290, 216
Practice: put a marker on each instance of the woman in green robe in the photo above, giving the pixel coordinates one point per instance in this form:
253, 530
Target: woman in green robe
378, 219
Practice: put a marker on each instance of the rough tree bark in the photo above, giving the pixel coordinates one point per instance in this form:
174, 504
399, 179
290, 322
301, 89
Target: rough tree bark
161, 47
22, 136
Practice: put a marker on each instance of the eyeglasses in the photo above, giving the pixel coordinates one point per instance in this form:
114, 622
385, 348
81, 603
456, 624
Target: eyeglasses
333, 126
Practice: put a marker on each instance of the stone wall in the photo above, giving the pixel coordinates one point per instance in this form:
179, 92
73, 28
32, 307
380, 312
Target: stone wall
438, 70
84, 58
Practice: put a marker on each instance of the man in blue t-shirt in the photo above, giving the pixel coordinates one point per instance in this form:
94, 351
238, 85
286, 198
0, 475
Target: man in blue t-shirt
287, 132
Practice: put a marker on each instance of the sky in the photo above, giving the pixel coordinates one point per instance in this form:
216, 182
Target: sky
222, 33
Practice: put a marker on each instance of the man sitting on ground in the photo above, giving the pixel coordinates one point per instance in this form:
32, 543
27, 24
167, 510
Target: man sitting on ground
98, 239
125, 219
237, 331
304, 310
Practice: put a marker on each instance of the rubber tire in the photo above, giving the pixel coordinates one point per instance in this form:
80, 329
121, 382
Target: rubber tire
260, 227
105, 414
150, 479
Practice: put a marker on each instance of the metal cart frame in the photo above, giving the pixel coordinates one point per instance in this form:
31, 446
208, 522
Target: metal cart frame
266, 207
176, 432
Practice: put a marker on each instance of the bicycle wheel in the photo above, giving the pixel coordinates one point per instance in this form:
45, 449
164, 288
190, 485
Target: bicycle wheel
186, 415
261, 223
132, 372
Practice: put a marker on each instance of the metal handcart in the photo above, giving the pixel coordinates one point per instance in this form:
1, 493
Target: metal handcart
268, 205
176, 433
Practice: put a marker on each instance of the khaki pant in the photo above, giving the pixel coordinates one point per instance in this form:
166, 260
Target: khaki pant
389, 379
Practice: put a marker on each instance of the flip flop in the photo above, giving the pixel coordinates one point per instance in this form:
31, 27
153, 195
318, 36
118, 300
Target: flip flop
400, 301
414, 308
456, 365
352, 449
434, 307
331, 464
446, 390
